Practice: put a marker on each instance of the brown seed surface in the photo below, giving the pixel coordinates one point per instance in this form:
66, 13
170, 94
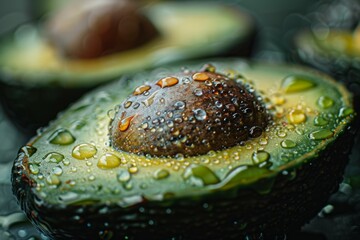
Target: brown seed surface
189, 118
94, 28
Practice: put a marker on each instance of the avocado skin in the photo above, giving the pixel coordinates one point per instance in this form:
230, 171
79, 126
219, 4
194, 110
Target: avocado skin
31, 107
290, 203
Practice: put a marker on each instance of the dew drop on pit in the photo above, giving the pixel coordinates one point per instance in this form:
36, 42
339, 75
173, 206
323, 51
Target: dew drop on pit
167, 82
61, 137
127, 104
84, 151
179, 105
200, 77
296, 116
325, 102
260, 157
108, 161
53, 157
198, 92
141, 89
255, 131
29, 150
124, 124
200, 114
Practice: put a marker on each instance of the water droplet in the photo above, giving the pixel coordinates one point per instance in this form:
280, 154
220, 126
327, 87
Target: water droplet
167, 82
52, 179
84, 151
136, 105
255, 131
278, 99
179, 105
34, 169
321, 134
108, 161
293, 84
53, 157
111, 114
325, 102
200, 76
320, 121
218, 104
200, 114
141, 89
288, 144
260, 157
124, 124
198, 92
161, 174
127, 104
68, 197
208, 68
61, 137
150, 100
29, 150
57, 170
344, 112
200, 175
281, 134
263, 141
133, 169
296, 116
123, 176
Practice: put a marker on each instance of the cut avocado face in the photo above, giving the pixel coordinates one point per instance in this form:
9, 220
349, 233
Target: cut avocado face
30, 67
75, 176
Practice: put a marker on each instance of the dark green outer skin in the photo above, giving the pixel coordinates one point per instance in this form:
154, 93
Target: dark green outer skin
32, 107
291, 202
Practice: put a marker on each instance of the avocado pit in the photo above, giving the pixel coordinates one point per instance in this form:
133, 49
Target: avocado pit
91, 29
189, 114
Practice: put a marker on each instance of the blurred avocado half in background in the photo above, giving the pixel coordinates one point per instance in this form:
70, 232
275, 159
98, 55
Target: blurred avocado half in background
213, 149
46, 66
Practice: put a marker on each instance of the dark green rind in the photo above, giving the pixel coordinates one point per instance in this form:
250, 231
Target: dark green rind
294, 199
299, 189
33, 99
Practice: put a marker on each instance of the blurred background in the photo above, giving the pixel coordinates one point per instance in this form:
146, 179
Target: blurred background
276, 21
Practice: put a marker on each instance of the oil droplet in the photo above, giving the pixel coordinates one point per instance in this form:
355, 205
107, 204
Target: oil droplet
61, 137
123, 176
325, 102
199, 114
53, 180
141, 89
57, 170
200, 175
127, 104
320, 121
124, 124
53, 157
161, 174
260, 157
34, 169
288, 144
321, 134
293, 84
344, 112
167, 82
84, 151
296, 116
200, 76
108, 161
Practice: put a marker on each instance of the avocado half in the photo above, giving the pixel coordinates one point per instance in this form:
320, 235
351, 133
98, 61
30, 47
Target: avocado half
268, 176
36, 83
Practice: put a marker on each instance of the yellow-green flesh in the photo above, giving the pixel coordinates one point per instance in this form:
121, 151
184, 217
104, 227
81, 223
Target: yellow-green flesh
309, 112
187, 30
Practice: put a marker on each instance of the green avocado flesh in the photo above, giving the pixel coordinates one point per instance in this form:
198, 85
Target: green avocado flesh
29, 59
72, 163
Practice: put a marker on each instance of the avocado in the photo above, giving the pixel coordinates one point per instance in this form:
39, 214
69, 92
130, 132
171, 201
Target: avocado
37, 82
215, 149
